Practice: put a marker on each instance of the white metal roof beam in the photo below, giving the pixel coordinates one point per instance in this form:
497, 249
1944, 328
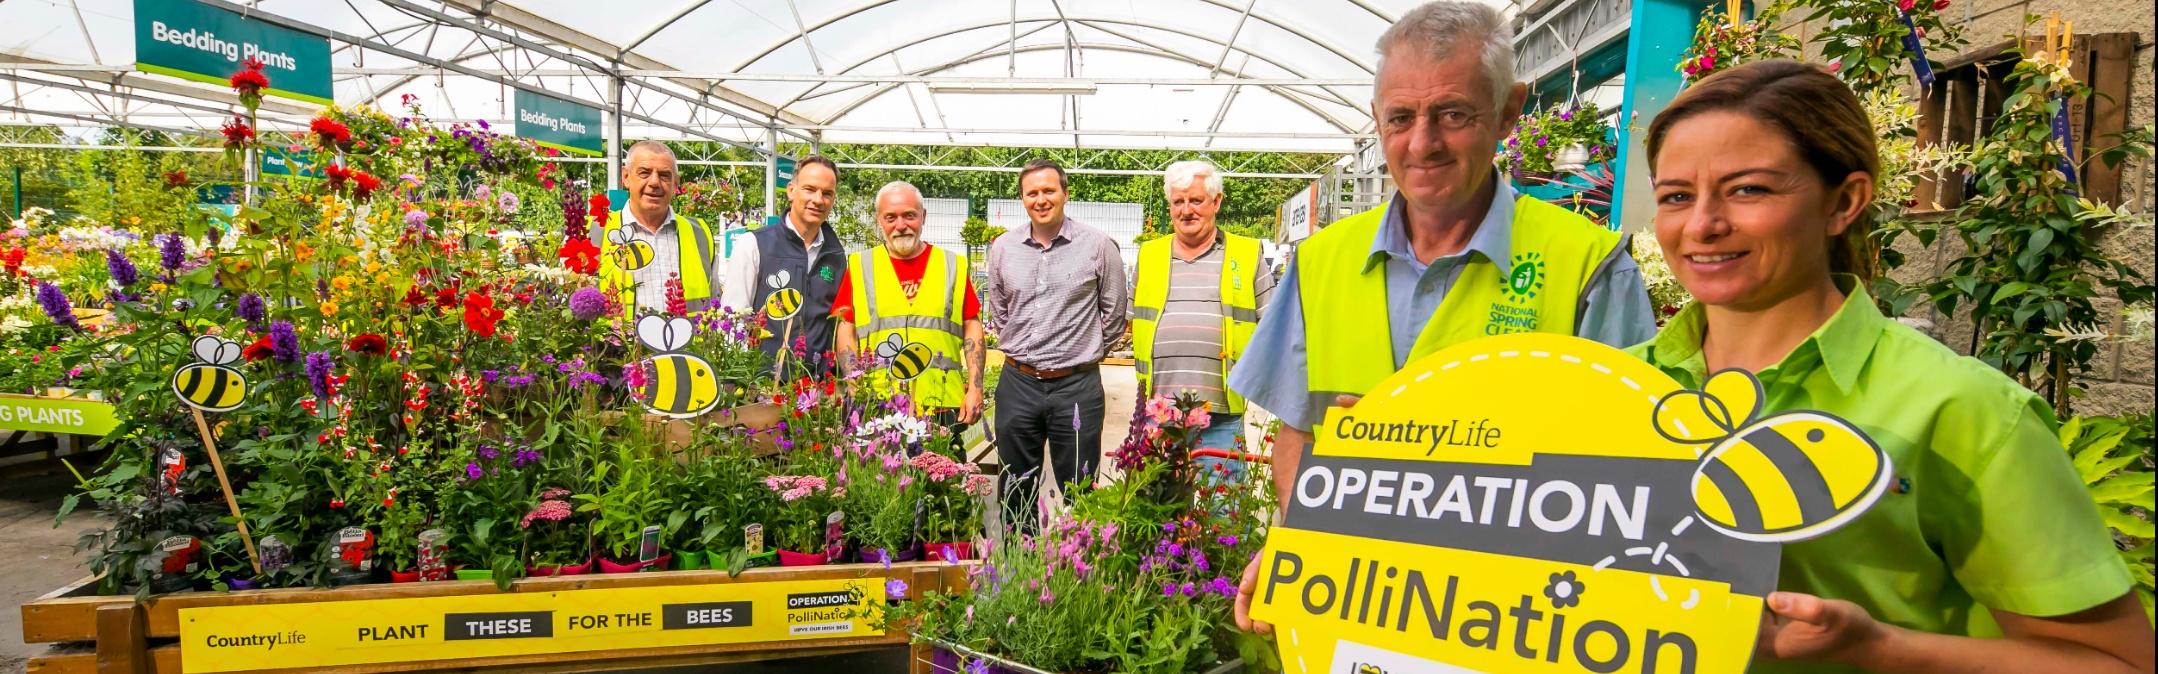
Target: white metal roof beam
1103, 132
1329, 94
1147, 51
803, 32
812, 93
694, 5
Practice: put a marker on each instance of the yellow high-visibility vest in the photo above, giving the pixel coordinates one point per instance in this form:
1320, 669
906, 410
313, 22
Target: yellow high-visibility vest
933, 319
1240, 270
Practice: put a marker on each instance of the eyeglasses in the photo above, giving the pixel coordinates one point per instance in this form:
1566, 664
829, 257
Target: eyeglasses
1190, 203
1447, 118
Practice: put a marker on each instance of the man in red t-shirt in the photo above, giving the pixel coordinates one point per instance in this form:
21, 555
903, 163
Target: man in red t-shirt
900, 316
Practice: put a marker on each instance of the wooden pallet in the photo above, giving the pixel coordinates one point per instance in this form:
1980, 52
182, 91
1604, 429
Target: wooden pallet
107, 634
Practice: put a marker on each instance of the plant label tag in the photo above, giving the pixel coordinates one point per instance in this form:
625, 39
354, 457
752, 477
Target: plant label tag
753, 538
434, 554
648, 549
835, 542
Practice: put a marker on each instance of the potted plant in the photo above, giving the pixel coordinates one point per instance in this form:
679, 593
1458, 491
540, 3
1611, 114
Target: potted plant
882, 492
556, 540
952, 496
1563, 138
798, 529
630, 501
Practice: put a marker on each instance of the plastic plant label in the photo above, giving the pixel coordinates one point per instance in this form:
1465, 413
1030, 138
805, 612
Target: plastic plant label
648, 544
835, 542
1541, 503
753, 538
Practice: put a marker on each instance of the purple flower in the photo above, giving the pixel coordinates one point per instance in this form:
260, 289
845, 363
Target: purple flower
482, 193
507, 202
977, 665
895, 589
473, 472
56, 306
250, 308
489, 376
489, 452
587, 304
171, 251
517, 381
319, 364
285, 342
1227, 540
524, 456
416, 219
122, 269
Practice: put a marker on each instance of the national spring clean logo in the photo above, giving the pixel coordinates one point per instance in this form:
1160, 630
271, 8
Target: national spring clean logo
1524, 280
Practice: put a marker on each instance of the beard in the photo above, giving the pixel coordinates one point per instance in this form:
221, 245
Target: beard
904, 245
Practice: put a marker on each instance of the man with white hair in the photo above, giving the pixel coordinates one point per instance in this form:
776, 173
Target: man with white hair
680, 246
1453, 256
907, 293
1196, 297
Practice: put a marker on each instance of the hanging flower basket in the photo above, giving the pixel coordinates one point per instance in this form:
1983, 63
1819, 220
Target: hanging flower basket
1571, 158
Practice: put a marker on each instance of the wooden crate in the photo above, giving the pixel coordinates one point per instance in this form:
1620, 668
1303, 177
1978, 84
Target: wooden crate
119, 634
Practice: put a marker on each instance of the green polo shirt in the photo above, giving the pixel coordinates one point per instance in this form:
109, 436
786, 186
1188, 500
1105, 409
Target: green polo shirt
1986, 511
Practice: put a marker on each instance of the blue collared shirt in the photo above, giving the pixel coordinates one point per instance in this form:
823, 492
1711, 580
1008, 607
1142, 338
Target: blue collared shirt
1272, 372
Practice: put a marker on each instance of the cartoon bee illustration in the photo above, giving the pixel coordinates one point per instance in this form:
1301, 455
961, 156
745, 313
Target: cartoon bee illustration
630, 253
908, 359
1784, 477
1368, 668
678, 385
784, 302
211, 384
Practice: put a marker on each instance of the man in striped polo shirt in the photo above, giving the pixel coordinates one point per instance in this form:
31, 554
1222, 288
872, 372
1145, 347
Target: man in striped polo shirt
1196, 297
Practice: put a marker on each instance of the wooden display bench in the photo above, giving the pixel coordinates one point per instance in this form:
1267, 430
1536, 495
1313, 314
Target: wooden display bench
118, 634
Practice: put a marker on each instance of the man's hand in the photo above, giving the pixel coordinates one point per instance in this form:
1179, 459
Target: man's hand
970, 410
1244, 591
1805, 627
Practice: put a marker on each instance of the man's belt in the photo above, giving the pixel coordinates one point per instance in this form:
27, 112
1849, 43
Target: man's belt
1046, 375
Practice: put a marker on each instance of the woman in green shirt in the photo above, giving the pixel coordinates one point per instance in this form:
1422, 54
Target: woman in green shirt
1987, 555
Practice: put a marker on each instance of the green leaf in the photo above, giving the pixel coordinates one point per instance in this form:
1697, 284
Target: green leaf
2123, 489
2128, 524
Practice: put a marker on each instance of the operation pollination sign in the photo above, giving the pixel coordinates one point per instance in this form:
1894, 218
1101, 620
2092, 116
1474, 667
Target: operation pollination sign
316, 635
1542, 503
190, 40
560, 124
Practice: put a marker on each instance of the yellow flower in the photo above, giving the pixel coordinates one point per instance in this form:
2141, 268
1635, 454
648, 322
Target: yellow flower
373, 267
341, 283
157, 287
329, 308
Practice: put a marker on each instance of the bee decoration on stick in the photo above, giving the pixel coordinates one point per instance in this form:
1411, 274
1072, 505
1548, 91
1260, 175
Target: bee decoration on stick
630, 252
679, 384
211, 384
785, 301
907, 360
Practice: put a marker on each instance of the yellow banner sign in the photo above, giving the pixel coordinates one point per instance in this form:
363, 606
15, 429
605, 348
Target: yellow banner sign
75, 416
341, 633
1540, 503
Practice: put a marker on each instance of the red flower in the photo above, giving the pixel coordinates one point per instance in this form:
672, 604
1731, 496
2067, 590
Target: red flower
414, 297
1939, 5
598, 206
238, 134
259, 350
481, 314
250, 81
446, 297
368, 343
1906, 5
364, 184
12, 259
175, 178
579, 255
332, 134
336, 175
676, 305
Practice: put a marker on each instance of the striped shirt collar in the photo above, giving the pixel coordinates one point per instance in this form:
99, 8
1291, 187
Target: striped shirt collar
1493, 238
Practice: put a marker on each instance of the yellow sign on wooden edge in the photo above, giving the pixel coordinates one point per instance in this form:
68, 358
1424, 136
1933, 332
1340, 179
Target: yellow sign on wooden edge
1542, 503
343, 633
73, 416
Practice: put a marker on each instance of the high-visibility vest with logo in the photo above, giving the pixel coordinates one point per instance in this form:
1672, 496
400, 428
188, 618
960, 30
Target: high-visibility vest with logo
1347, 334
1240, 270
929, 327
692, 240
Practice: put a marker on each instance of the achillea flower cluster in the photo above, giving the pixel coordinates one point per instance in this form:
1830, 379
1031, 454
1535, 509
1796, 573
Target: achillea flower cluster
795, 487
939, 467
549, 510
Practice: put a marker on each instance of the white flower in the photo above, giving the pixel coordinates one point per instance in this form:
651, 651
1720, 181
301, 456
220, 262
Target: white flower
549, 273
13, 324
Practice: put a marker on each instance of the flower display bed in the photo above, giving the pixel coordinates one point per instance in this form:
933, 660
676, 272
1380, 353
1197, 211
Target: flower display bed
121, 634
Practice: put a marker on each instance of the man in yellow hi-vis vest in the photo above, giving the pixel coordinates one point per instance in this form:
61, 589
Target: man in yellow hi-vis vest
1453, 256
908, 313
1196, 297
635, 262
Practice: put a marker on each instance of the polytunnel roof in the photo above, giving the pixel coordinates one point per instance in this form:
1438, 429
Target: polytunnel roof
1225, 74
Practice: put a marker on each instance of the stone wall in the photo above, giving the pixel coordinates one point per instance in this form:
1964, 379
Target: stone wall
2122, 378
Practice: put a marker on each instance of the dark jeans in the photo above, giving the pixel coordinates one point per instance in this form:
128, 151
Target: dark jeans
1064, 414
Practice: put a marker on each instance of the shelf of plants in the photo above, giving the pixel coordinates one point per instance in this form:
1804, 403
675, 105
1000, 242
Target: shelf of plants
411, 369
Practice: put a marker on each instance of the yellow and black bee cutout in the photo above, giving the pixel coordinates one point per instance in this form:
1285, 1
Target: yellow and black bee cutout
631, 253
1778, 478
906, 360
677, 384
785, 301
211, 384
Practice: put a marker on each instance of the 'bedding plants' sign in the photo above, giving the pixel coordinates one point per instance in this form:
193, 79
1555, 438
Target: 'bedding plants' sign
1540, 503
191, 40
319, 635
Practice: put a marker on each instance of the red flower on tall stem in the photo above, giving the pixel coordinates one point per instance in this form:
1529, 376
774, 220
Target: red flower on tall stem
250, 82
260, 350
364, 184
330, 134
481, 314
579, 255
238, 134
368, 343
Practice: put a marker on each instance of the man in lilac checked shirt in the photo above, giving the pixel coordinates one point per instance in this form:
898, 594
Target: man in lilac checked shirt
1056, 295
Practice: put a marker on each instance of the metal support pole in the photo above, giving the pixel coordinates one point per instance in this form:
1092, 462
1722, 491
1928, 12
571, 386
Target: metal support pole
1660, 30
771, 169
614, 133
18, 192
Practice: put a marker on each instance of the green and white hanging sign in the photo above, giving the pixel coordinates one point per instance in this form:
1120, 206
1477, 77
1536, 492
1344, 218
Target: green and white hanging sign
194, 41
560, 124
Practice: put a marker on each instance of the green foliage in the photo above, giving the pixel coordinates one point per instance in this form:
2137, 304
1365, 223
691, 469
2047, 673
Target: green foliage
1864, 38
2032, 268
977, 233
629, 498
2113, 457
1721, 41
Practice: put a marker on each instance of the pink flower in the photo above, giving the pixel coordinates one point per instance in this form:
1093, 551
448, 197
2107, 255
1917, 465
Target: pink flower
551, 511
1161, 409
553, 493
1198, 418
794, 494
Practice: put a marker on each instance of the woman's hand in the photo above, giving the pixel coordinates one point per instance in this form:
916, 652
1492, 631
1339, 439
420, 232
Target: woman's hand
1244, 591
1805, 627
